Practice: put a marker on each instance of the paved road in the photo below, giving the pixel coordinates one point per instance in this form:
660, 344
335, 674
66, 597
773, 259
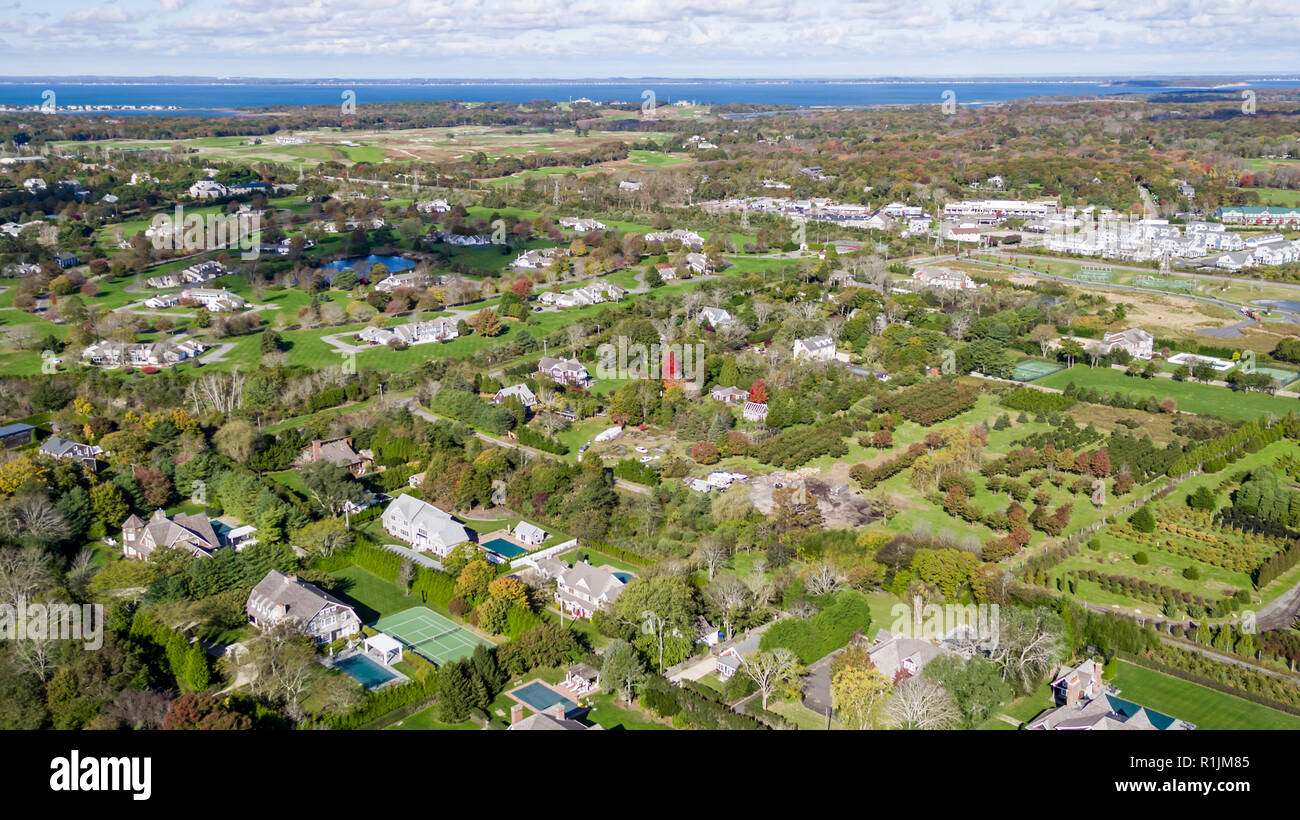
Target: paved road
1280, 613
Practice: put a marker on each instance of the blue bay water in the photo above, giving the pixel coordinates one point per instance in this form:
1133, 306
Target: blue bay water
201, 97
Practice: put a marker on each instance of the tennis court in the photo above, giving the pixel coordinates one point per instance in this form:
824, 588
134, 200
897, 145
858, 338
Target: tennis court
430, 634
1284, 376
1030, 369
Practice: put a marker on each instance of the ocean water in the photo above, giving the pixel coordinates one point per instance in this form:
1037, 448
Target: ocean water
221, 97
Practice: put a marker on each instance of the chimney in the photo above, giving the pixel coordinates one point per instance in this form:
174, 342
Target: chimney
293, 579
557, 711
516, 714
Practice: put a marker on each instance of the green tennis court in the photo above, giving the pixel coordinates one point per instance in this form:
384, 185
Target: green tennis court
1284, 376
1030, 369
430, 634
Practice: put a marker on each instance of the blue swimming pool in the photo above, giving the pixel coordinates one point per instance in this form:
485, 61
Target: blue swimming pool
365, 671
539, 697
393, 263
503, 548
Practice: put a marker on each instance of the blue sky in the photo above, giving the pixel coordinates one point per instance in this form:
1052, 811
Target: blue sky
668, 38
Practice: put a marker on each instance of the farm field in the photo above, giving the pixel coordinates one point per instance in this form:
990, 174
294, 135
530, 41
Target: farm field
1192, 397
1207, 708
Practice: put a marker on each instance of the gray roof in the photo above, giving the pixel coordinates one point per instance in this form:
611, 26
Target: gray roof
301, 600
890, 651
15, 429
440, 526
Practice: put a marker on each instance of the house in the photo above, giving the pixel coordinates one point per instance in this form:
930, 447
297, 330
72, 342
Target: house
716, 317
280, 597
818, 348
66, 260
628, 185
732, 659
729, 395
961, 233
16, 435
59, 448
121, 354
405, 280
163, 300
530, 533
435, 206
755, 412
666, 271
422, 525
1136, 341
944, 278
411, 333
192, 533
544, 721
583, 589
1256, 215
34, 184
214, 299
208, 188
1083, 703
564, 371
689, 239
1106, 712
538, 258
1083, 682
897, 655
520, 391
339, 451
581, 225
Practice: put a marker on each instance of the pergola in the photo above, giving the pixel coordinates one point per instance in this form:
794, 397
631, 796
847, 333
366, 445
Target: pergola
385, 647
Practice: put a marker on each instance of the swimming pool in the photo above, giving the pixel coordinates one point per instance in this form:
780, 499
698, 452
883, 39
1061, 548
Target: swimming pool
539, 697
503, 548
365, 671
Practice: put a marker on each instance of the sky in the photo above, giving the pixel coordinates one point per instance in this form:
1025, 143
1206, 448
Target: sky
494, 39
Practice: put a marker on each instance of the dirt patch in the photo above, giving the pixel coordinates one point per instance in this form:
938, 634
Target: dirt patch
840, 505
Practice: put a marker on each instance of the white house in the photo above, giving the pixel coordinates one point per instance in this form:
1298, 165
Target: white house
215, 300
583, 589
817, 348
581, 225
564, 371
519, 391
1136, 341
530, 533
422, 525
944, 278
208, 188
755, 412
716, 317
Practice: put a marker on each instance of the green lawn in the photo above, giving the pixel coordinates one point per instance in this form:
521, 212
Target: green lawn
372, 596
1207, 708
427, 720
1192, 397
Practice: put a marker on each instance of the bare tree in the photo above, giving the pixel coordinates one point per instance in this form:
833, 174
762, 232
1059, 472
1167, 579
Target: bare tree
712, 554
822, 577
285, 659
23, 572
35, 515
1029, 645
921, 703
730, 596
769, 670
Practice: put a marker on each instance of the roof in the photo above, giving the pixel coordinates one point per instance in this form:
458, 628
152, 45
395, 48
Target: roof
816, 342
890, 651
15, 429
540, 721
301, 599
440, 525
597, 582
524, 529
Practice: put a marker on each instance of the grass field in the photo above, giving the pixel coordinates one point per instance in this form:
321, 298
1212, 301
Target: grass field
1192, 397
1207, 708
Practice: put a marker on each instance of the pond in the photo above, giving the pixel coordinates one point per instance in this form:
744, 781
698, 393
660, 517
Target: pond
1279, 304
393, 263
